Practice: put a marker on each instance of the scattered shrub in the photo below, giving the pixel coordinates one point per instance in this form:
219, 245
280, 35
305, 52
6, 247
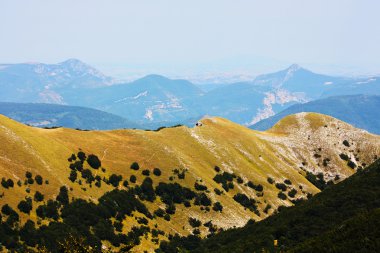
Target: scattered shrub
146, 172
217, 207
30, 180
200, 187
133, 179
38, 196
270, 180
202, 200
351, 164
114, 180
194, 222
281, 186
73, 176
344, 157
38, 179
94, 161
81, 156
245, 201
157, 172
281, 195
135, 166
267, 208
217, 191
25, 206
63, 195
292, 193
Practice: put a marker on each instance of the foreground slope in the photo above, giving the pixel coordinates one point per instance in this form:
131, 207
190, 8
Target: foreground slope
358, 110
343, 218
290, 161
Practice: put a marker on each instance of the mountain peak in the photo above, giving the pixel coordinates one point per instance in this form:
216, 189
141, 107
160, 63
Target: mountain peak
72, 62
294, 67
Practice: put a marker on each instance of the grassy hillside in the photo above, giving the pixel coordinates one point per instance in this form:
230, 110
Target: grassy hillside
256, 172
343, 218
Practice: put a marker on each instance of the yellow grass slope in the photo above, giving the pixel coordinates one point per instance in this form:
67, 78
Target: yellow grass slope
297, 144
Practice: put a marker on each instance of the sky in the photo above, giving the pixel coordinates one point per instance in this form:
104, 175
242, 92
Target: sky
201, 38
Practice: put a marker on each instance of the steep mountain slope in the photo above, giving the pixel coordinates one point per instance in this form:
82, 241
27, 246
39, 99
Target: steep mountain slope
257, 171
359, 110
343, 218
53, 115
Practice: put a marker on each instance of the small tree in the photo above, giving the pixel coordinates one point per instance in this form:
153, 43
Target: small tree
4, 183
114, 180
73, 176
194, 222
82, 156
63, 196
157, 172
217, 207
133, 179
38, 179
135, 166
25, 206
146, 172
94, 161
281, 195
38, 196
28, 174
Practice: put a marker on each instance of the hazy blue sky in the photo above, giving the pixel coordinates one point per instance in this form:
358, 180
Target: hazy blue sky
198, 36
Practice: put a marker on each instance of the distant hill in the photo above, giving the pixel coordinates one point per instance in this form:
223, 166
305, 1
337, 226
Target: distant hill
249, 102
148, 100
342, 218
52, 115
361, 111
48, 83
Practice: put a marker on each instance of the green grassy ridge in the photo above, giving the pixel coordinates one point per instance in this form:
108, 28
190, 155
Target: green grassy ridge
302, 223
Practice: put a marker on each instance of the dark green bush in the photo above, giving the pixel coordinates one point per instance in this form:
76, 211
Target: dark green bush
38, 196
217, 207
194, 222
157, 172
25, 206
94, 161
38, 179
281, 195
135, 166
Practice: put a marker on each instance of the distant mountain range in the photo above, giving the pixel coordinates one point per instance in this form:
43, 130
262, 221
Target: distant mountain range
52, 115
361, 111
156, 100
